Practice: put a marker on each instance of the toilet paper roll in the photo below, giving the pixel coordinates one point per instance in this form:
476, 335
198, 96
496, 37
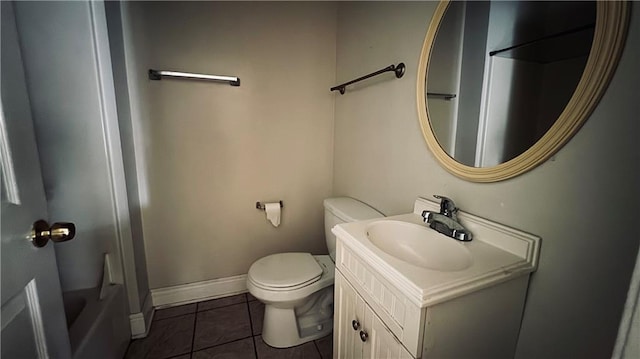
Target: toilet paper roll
273, 213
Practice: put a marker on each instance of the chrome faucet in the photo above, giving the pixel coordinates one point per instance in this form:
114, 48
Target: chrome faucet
446, 222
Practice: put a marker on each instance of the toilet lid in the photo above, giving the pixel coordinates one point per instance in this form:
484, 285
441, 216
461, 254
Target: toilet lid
284, 270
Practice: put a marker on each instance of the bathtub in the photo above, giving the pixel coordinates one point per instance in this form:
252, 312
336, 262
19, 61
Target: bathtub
97, 328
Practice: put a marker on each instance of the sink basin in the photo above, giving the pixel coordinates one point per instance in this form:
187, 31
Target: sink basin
419, 245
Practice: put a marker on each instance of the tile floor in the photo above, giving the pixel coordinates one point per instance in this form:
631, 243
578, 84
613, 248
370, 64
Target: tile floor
220, 328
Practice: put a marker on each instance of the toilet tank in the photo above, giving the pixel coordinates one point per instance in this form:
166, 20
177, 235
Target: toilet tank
342, 210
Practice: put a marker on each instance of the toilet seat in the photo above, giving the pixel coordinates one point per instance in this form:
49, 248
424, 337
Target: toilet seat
285, 271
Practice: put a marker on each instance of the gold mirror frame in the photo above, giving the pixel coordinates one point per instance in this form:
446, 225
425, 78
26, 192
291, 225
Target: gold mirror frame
612, 18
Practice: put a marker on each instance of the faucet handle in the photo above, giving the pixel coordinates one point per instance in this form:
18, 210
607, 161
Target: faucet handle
427, 216
447, 206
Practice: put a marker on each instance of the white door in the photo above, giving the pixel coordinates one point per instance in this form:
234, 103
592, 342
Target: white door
33, 319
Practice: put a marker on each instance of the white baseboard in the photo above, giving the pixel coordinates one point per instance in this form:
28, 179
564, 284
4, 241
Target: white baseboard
193, 292
141, 322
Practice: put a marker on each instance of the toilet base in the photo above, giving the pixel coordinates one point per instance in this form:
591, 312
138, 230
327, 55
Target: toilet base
289, 325
280, 327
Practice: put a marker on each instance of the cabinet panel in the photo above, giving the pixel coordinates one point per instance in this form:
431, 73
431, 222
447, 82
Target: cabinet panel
486, 321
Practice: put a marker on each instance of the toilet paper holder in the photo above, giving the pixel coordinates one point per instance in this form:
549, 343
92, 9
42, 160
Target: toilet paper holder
261, 207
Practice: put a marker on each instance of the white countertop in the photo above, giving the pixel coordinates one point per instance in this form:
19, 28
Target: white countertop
499, 253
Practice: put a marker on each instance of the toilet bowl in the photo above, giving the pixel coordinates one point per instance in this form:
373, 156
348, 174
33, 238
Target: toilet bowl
298, 305
297, 287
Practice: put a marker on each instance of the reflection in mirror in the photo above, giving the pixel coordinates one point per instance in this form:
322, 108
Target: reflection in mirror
510, 68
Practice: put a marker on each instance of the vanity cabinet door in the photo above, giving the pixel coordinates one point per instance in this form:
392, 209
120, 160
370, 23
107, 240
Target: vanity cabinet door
348, 318
381, 343
358, 331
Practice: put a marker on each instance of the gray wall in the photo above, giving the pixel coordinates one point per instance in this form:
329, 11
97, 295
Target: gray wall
206, 152
583, 202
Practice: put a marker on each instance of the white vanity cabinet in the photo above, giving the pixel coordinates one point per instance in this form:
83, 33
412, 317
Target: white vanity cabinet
358, 331
385, 307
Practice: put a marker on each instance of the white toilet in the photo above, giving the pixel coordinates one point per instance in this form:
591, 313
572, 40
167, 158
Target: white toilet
297, 288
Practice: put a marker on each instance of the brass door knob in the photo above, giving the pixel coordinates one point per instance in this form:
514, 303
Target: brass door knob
58, 232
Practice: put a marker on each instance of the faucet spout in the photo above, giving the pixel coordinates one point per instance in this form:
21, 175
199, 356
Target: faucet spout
446, 222
447, 206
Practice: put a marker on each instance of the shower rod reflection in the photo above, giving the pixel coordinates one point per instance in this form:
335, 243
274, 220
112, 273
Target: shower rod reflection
446, 96
399, 70
159, 74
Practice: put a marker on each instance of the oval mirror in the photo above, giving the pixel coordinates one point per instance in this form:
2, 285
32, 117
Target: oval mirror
503, 85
